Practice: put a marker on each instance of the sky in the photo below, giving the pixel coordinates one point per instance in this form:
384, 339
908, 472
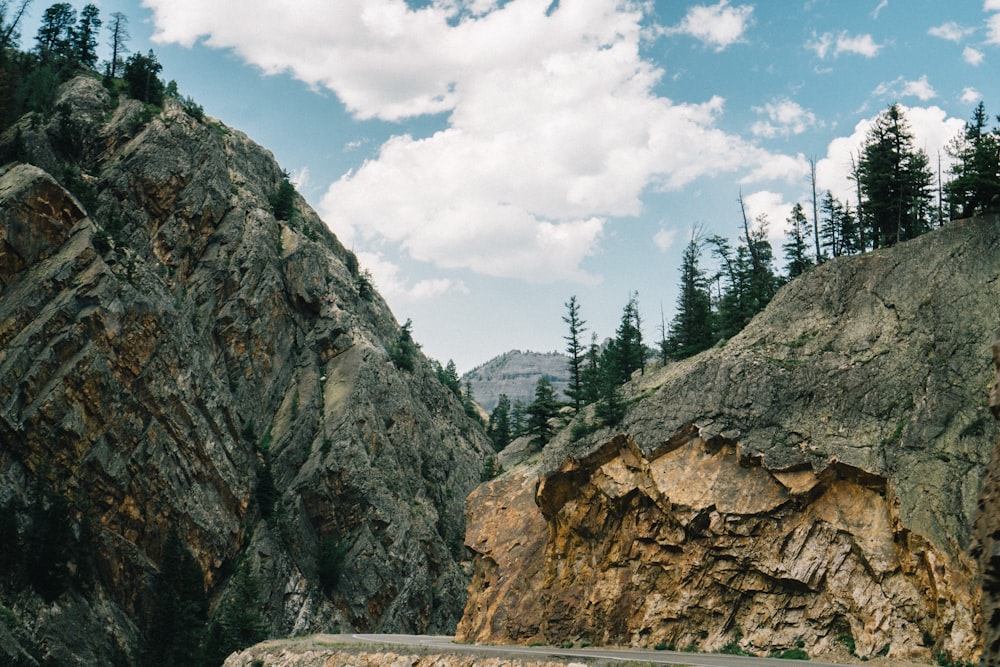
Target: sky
489, 159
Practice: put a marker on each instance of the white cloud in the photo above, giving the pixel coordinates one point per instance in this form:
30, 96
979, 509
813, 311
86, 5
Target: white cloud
921, 89
394, 288
553, 125
951, 31
664, 238
784, 117
970, 95
774, 208
878, 10
991, 6
718, 26
993, 26
973, 56
829, 44
931, 128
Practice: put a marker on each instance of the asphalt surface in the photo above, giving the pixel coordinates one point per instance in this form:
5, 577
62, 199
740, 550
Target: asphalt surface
444, 644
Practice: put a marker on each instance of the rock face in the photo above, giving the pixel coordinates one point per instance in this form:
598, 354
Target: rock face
168, 349
812, 481
987, 534
515, 374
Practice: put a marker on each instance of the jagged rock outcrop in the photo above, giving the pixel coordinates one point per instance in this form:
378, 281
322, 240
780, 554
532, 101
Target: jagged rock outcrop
812, 481
167, 350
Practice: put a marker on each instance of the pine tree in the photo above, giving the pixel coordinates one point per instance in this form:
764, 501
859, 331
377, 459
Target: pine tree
692, 329
84, 36
975, 186
499, 427
54, 38
142, 78
626, 353
403, 352
797, 246
576, 352
541, 412
178, 605
749, 277
895, 181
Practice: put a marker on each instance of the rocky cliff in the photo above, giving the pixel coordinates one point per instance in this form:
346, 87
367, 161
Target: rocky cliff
986, 545
176, 360
809, 484
516, 374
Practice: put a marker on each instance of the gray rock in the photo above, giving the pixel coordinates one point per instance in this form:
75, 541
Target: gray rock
157, 349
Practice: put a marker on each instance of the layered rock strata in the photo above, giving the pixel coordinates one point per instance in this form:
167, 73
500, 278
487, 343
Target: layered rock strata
175, 358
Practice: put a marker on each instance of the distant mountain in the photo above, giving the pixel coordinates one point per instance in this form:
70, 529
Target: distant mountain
516, 373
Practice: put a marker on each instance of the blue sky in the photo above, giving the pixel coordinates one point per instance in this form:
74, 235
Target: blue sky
487, 159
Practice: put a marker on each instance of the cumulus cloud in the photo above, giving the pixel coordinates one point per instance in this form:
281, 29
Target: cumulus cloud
718, 26
973, 56
390, 283
951, 31
993, 23
664, 238
828, 44
784, 118
553, 123
921, 89
774, 209
970, 95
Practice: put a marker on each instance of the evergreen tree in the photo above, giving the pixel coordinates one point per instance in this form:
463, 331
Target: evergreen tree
610, 406
238, 621
499, 427
626, 353
142, 78
49, 542
403, 352
283, 200
692, 329
576, 352
84, 36
796, 247
178, 605
469, 402
518, 417
55, 34
542, 411
830, 233
895, 181
975, 186
749, 277
448, 376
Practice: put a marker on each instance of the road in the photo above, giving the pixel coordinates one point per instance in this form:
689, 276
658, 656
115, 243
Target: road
445, 644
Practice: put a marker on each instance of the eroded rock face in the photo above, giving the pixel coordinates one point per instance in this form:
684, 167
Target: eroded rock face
827, 488
987, 545
166, 345
693, 548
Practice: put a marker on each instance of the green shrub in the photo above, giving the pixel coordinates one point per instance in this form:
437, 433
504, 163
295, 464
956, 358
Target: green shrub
283, 200
791, 654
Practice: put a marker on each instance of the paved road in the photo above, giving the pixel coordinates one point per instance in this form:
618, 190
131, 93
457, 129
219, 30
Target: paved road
446, 645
